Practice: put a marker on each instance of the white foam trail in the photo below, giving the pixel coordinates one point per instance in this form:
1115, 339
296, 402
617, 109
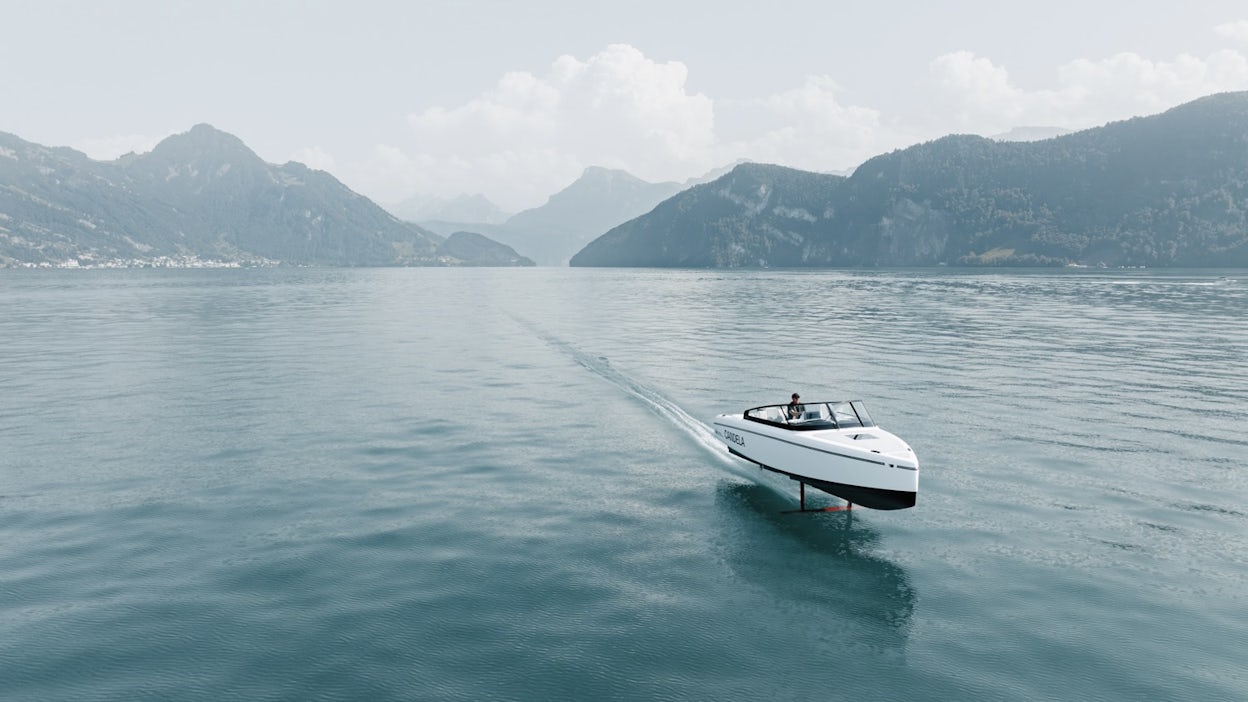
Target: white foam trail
699, 431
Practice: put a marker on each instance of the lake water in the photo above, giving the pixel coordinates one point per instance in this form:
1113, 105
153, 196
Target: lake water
501, 484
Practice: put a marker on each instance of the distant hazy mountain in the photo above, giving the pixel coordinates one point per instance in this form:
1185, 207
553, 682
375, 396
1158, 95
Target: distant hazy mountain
713, 174
1030, 134
597, 201
202, 194
1166, 190
574, 216
461, 208
472, 249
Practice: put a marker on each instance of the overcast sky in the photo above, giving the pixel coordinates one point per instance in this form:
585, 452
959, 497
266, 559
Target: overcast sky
515, 99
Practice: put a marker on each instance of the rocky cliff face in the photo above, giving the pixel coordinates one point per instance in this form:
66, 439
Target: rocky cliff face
914, 234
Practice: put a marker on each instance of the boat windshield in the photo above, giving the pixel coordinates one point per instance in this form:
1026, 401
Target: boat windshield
814, 415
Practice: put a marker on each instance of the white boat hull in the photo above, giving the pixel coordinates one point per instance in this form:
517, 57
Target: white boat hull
866, 466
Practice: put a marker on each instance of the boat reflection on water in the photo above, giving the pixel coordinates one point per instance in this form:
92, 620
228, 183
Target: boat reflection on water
821, 567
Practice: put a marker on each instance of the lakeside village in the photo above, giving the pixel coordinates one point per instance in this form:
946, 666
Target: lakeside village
87, 262
188, 261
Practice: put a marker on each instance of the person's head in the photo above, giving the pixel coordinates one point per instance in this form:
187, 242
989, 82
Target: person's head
796, 397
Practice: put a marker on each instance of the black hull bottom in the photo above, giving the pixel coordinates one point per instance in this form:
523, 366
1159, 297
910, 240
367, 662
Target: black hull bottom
871, 498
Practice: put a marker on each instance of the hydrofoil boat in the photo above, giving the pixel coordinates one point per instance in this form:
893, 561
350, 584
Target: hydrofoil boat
832, 446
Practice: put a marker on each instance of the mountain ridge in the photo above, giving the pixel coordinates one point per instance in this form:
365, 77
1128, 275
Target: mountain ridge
201, 195
598, 200
572, 217
1164, 190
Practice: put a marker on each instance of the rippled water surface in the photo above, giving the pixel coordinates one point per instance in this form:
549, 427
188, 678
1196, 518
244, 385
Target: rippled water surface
501, 484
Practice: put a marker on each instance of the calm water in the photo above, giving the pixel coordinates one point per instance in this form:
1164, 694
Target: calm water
500, 484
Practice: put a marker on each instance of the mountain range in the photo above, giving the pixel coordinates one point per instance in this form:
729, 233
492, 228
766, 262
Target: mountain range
203, 196
475, 208
595, 202
1164, 190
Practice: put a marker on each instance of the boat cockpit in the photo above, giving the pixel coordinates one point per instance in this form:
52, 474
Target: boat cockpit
809, 416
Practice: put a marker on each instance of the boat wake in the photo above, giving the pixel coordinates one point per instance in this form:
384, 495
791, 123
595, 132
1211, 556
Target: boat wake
700, 432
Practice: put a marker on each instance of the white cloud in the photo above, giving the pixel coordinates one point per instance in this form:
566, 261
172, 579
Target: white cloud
1237, 30
978, 96
1128, 84
111, 147
395, 174
531, 135
806, 128
315, 157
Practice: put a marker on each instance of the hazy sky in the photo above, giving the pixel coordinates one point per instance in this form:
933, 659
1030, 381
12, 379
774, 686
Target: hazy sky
515, 99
